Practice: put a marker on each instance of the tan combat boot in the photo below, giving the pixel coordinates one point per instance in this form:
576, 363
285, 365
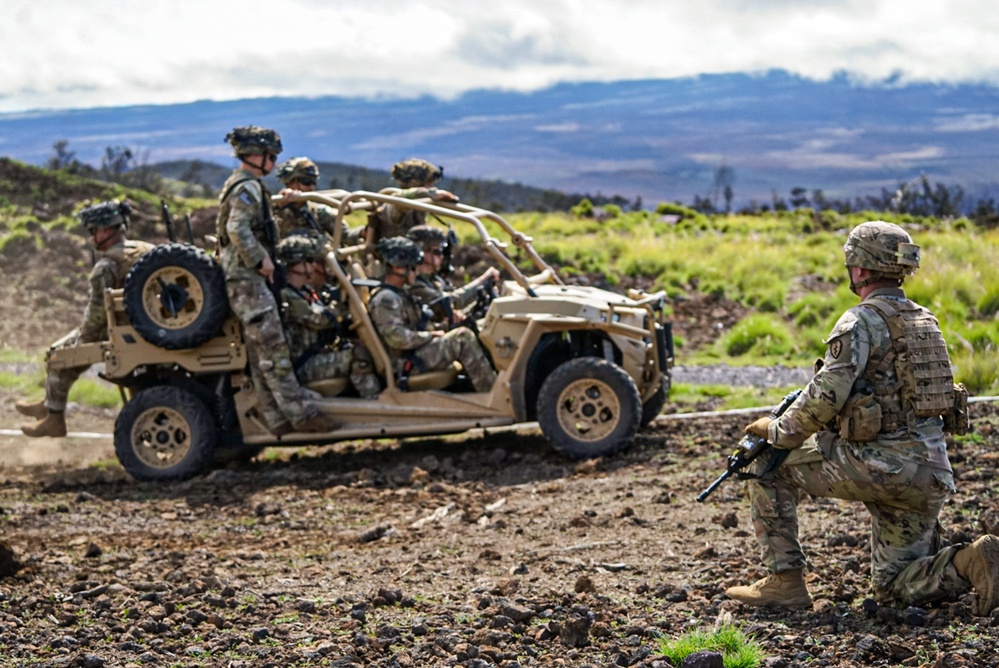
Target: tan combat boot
786, 589
978, 563
35, 409
53, 424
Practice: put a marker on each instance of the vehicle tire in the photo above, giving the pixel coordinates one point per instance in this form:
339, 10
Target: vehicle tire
589, 407
175, 296
165, 433
654, 406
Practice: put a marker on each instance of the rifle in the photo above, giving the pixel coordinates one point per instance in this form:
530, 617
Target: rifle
167, 220
749, 449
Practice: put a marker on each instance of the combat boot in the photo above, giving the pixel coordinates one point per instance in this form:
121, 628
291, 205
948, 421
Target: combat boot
978, 563
53, 424
35, 409
317, 423
786, 589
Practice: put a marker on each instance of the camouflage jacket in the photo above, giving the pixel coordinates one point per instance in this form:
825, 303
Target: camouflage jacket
860, 336
309, 325
315, 220
108, 274
430, 287
397, 317
244, 228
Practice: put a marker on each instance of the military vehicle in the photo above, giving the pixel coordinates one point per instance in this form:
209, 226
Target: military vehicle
591, 366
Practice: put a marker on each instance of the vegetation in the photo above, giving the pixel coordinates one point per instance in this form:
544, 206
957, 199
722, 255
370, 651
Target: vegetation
737, 649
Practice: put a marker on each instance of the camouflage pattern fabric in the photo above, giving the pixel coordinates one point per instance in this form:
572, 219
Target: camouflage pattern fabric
242, 226
416, 172
105, 214
310, 327
397, 317
314, 220
903, 477
254, 140
430, 287
270, 358
108, 273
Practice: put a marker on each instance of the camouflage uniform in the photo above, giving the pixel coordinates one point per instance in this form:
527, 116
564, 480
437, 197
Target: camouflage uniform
247, 234
428, 288
388, 221
314, 220
108, 274
902, 474
311, 330
400, 322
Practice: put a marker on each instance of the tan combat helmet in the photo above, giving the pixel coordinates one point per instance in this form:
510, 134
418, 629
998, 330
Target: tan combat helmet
105, 214
416, 172
254, 140
298, 169
884, 248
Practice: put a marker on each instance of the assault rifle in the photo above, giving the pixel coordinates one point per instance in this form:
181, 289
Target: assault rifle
749, 449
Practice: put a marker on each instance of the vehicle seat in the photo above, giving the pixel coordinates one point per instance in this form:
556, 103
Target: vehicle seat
434, 380
329, 387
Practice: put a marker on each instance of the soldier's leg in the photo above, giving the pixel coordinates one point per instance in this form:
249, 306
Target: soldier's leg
254, 305
469, 352
362, 373
325, 365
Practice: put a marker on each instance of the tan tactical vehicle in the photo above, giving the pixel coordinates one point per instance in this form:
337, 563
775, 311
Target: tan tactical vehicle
590, 366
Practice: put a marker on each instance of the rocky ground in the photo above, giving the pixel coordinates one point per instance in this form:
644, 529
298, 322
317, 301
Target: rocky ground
483, 551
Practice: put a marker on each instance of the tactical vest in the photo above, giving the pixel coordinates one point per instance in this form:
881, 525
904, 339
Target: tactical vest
122, 258
913, 379
266, 233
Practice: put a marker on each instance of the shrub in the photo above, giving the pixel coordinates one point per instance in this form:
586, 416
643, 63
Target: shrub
758, 334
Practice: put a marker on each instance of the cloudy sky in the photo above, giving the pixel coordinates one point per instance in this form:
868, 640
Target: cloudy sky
89, 53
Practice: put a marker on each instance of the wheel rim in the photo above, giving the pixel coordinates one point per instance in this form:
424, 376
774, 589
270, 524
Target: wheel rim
588, 410
172, 297
161, 437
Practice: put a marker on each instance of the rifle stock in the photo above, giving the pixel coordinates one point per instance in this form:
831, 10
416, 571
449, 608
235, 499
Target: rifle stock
749, 449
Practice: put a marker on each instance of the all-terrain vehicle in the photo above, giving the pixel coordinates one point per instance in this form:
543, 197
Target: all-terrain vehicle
590, 366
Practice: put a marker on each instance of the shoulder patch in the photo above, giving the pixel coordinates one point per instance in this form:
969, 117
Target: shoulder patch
835, 348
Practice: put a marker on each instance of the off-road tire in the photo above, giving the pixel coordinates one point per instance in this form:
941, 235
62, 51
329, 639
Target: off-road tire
589, 407
654, 406
175, 297
165, 433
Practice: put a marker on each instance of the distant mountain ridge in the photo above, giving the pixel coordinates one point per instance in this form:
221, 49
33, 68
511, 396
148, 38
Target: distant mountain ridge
661, 140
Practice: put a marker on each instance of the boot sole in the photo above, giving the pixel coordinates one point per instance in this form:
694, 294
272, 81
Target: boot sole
988, 591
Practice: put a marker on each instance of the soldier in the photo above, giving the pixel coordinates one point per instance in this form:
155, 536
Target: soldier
430, 286
888, 450
300, 175
418, 179
311, 327
247, 237
106, 223
402, 325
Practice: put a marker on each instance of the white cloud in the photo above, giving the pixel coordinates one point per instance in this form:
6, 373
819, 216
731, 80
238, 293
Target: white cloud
65, 53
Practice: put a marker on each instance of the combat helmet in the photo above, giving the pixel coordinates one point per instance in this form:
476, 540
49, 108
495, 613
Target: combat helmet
416, 172
105, 214
254, 140
297, 248
400, 252
427, 237
297, 169
884, 248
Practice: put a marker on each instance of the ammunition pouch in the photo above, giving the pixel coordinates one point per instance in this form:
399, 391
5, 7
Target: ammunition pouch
860, 419
957, 420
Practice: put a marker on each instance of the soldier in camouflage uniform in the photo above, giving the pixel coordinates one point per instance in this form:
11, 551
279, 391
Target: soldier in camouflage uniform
311, 327
431, 289
865, 430
247, 237
402, 324
300, 175
418, 179
106, 223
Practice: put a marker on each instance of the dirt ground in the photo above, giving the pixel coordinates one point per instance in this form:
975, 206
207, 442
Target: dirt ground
488, 550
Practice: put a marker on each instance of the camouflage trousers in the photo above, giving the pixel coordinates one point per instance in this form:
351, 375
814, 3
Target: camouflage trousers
280, 396
59, 381
352, 362
458, 345
904, 498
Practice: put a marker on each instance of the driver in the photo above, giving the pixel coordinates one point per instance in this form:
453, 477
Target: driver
399, 320
430, 286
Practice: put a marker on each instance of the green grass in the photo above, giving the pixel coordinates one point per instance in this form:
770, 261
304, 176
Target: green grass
95, 393
738, 650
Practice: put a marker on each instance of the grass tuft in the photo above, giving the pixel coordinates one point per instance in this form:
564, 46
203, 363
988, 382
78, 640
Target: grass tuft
738, 650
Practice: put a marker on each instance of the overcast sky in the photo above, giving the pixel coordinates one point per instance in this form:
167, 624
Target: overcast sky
88, 53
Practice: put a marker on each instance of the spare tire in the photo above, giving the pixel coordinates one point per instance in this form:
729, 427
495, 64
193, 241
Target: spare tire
175, 296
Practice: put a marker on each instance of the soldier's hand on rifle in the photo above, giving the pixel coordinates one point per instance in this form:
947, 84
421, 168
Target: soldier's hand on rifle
266, 268
759, 427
